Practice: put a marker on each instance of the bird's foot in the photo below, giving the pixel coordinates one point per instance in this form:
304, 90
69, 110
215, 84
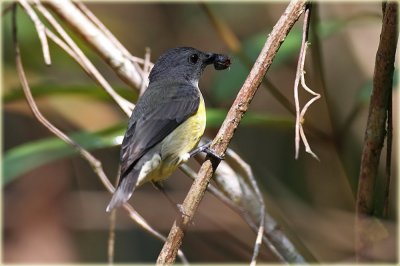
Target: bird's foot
206, 148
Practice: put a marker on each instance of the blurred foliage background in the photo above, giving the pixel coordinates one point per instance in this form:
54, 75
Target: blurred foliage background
54, 205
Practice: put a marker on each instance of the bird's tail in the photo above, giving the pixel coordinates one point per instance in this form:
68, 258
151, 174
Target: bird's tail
124, 191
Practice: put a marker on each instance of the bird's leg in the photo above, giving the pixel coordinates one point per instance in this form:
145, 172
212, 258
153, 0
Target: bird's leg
177, 207
205, 148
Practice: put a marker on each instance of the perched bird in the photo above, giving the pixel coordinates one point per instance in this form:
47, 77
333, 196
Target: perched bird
167, 122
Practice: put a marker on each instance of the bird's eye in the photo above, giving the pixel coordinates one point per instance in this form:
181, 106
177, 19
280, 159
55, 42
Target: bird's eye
193, 58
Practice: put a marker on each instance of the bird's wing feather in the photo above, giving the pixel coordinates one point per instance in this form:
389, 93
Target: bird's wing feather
154, 119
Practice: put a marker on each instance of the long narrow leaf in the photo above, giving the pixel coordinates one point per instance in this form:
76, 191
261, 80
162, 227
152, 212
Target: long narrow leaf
43, 90
29, 156
26, 157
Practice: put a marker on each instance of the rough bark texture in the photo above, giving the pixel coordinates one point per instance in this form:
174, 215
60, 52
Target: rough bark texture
375, 131
225, 134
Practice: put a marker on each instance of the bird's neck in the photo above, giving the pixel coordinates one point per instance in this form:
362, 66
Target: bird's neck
171, 82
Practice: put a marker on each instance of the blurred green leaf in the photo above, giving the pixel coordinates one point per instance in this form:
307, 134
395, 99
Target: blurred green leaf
26, 157
47, 89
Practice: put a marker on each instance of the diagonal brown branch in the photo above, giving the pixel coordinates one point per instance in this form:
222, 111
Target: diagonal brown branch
232, 41
375, 131
226, 132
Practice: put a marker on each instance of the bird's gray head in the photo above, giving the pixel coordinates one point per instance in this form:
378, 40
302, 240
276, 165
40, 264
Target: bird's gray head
185, 64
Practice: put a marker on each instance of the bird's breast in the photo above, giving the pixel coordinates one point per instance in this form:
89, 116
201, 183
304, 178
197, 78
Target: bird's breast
187, 135
183, 140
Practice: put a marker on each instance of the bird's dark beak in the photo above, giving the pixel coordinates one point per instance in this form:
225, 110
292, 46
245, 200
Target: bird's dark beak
220, 61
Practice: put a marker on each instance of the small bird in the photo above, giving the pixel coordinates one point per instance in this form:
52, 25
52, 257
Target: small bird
167, 122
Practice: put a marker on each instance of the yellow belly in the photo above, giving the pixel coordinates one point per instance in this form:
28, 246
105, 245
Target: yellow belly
179, 143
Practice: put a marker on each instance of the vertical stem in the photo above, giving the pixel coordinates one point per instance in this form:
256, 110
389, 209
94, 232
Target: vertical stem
388, 166
375, 130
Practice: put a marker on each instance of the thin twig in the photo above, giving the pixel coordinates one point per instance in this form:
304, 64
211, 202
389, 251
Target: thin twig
74, 55
66, 48
40, 30
111, 230
299, 131
96, 165
376, 124
213, 190
226, 34
249, 175
226, 132
111, 238
242, 200
109, 35
129, 71
274, 237
276, 240
236, 208
305, 108
125, 105
232, 41
142, 222
93, 162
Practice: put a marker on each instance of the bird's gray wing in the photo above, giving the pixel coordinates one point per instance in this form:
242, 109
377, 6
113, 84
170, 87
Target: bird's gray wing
163, 110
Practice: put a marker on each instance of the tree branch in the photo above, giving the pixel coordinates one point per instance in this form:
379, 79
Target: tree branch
125, 105
375, 130
262, 212
232, 41
225, 134
389, 130
105, 46
232, 178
